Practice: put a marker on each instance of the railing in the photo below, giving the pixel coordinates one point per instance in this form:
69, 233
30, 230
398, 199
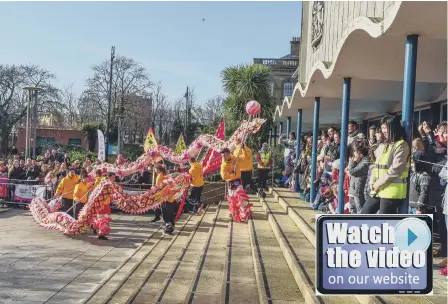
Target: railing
285, 63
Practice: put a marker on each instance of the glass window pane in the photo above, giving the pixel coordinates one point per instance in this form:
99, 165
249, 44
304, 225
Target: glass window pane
288, 88
426, 115
416, 118
375, 123
74, 141
444, 112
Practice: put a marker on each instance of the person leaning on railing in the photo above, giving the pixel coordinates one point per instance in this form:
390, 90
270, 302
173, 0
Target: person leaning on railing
388, 182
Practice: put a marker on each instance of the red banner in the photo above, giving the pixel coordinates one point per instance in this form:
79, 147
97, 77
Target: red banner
212, 160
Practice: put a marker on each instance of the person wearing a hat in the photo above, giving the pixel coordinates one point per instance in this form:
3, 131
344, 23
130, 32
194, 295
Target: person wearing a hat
264, 160
231, 173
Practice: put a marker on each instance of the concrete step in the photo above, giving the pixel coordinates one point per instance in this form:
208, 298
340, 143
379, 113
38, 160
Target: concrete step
128, 280
304, 218
208, 280
275, 281
239, 280
299, 253
165, 261
176, 287
110, 286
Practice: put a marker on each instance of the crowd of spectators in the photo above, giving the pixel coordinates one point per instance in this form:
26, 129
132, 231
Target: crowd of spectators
53, 166
379, 170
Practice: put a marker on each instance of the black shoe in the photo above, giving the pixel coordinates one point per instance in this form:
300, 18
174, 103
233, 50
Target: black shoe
102, 237
169, 228
156, 219
93, 230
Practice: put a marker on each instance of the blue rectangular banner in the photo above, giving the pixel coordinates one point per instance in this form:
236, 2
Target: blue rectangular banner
374, 254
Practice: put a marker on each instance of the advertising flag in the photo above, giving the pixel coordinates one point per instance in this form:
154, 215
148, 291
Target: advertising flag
181, 147
212, 160
101, 146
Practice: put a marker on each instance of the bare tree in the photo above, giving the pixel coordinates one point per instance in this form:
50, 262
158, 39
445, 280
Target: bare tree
70, 108
13, 99
130, 79
211, 113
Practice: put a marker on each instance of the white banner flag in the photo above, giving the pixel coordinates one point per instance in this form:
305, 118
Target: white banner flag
28, 192
101, 146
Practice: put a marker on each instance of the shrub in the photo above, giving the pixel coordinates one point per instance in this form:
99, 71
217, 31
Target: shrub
89, 130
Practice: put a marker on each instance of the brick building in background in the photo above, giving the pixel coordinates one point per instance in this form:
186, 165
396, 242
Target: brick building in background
47, 135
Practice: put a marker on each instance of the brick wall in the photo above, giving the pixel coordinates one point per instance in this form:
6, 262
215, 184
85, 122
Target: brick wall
60, 136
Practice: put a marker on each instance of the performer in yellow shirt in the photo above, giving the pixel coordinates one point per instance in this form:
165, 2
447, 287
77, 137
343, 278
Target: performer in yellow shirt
168, 208
66, 188
196, 187
80, 194
239, 206
244, 155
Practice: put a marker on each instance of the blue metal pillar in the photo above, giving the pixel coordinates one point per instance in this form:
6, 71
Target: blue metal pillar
275, 135
407, 114
298, 136
343, 146
314, 151
288, 126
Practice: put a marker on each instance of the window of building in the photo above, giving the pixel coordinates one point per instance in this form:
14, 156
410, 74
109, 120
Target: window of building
44, 140
375, 123
426, 115
444, 112
288, 88
417, 118
74, 141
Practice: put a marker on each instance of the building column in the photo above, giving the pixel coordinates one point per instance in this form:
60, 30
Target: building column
275, 135
288, 126
314, 151
344, 140
407, 114
298, 136
281, 129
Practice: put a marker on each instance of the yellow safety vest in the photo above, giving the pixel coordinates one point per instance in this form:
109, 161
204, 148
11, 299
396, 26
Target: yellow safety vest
397, 188
265, 157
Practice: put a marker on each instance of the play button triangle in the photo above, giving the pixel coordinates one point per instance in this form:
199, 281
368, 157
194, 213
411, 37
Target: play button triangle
411, 237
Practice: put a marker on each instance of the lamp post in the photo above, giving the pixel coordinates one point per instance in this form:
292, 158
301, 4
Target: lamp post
109, 99
31, 91
120, 128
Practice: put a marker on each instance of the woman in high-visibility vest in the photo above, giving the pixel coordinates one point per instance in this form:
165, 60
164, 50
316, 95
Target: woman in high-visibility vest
388, 181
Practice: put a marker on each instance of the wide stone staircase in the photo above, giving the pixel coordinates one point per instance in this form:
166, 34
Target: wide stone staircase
211, 259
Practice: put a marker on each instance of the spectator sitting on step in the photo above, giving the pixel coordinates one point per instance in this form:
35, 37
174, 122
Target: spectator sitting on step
324, 194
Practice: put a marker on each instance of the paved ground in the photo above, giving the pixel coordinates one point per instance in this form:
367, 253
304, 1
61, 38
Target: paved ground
38, 265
